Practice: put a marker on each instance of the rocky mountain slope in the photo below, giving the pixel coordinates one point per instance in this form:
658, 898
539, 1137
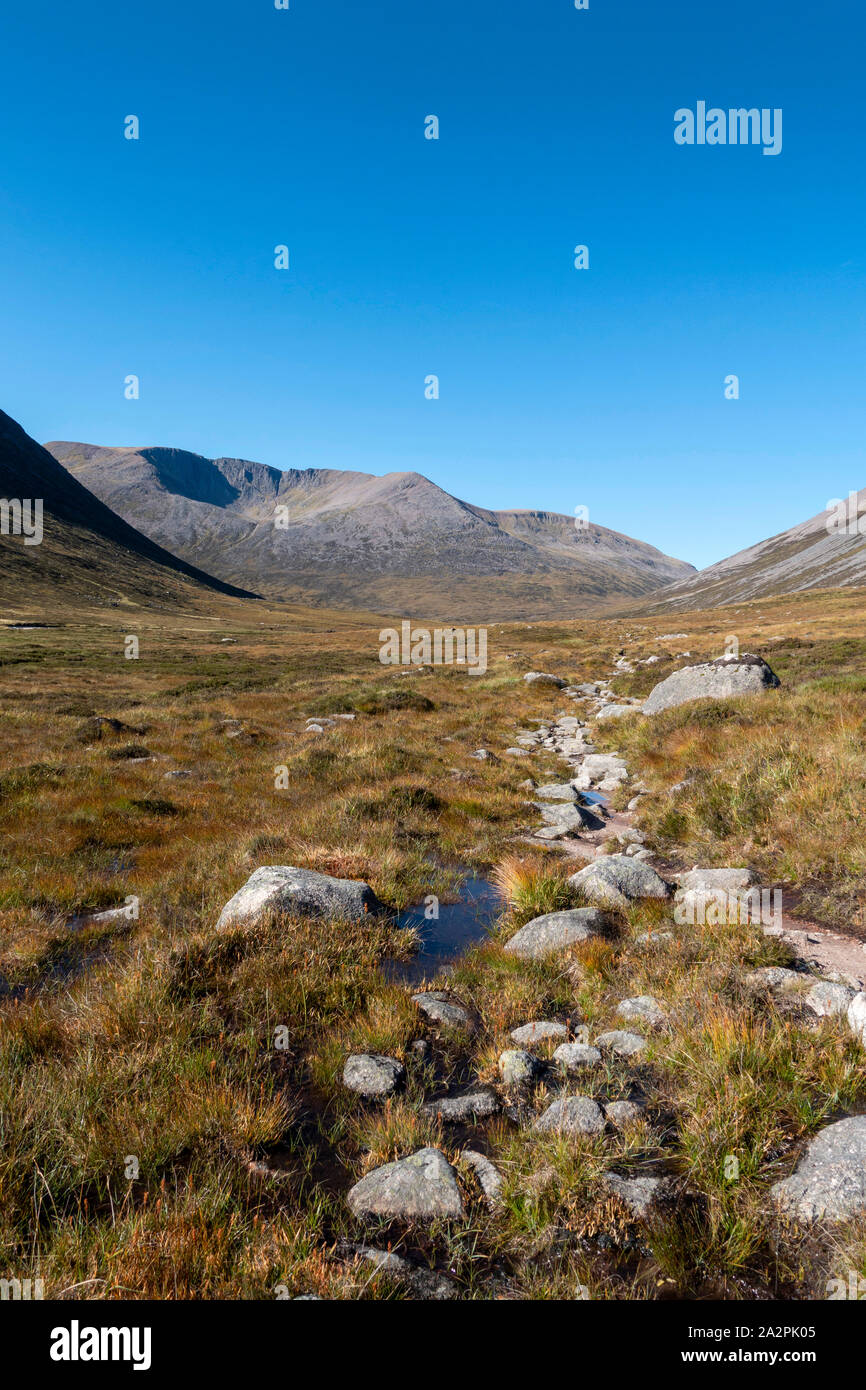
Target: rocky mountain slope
396, 542
825, 552
86, 552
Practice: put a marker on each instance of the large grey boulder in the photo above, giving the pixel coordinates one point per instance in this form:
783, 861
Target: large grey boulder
572, 1115
712, 680
517, 1067
557, 791
556, 931
616, 880
621, 1043
372, 1075
421, 1187
828, 998
829, 1182
576, 1057
283, 888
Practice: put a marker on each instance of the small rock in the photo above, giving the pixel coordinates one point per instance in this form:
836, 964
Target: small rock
572, 1115
489, 1177
576, 1057
517, 1067
425, 1282
530, 1033
622, 1043
642, 1008
623, 1112
443, 1008
544, 678
857, 1016
472, 1105
420, 1187
372, 1075
638, 1194
774, 977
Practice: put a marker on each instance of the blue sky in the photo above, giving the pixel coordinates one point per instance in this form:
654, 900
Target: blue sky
558, 388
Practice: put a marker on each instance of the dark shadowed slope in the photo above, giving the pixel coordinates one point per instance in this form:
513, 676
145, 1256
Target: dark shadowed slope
396, 542
87, 553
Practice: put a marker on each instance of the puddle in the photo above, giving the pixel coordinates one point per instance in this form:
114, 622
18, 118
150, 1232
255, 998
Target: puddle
458, 925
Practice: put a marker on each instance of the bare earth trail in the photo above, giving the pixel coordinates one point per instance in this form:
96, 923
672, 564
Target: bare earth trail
830, 953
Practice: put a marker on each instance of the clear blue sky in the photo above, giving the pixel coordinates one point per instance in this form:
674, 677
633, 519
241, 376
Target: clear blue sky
559, 387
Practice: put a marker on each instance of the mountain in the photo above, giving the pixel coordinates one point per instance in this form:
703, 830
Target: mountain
396, 543
86, 553
808, 556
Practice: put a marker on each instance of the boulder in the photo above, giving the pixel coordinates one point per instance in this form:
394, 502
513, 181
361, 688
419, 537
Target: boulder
422, 1187
372, 1075
829, 1181
712, 680
556, 931
616, 880
283, 888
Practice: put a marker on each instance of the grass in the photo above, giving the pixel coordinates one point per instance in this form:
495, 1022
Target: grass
172, 1118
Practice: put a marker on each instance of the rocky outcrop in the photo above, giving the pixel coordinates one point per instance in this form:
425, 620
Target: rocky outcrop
283, 888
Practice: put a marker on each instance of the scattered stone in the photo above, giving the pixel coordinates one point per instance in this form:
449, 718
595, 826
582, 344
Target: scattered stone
621, 1043
442, 1008
178, 774
489, 1177
557, 791
421, 1187
623, 1112
616, 711
709, 880
301, 891
471, 1106
572, 1115
616, 880
538, 1032
544, 678
638, 1194
425, 1282
518, 1067
714, 680
826, 998
649, 938
372, 1075
857, 1016
576, 1057
556, 931
829, 1181
516, 752
421, 1049
642, 1008
775, 977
